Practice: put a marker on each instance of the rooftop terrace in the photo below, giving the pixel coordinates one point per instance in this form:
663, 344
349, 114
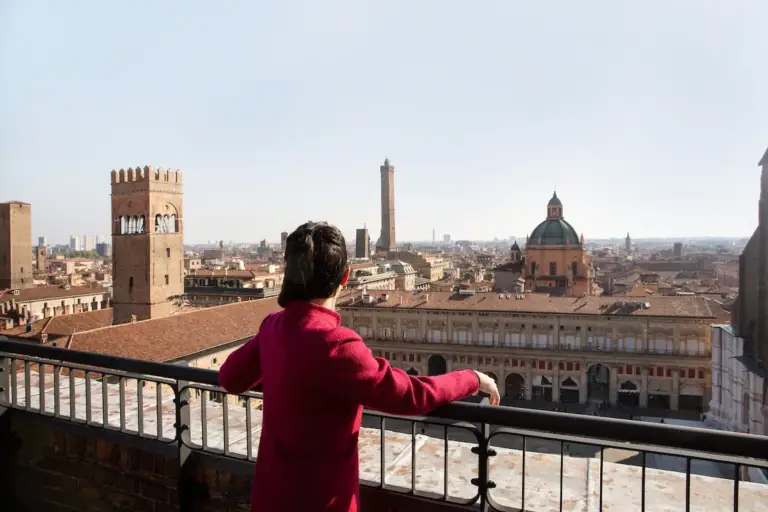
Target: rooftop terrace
491, 457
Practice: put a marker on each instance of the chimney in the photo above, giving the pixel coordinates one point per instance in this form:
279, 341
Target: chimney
133, 319
44, 338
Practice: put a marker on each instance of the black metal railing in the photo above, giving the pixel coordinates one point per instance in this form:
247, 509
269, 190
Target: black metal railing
494, 458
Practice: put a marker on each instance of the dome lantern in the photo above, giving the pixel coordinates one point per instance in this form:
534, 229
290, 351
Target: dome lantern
555, 208
555, 230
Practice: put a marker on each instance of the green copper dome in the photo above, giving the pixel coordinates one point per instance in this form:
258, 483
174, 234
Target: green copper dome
554, 232
555, 201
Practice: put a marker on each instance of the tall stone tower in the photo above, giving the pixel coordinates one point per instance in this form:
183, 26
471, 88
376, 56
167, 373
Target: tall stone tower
628, 244
762, 266
362, 244
147, 243
15, 245
387, 241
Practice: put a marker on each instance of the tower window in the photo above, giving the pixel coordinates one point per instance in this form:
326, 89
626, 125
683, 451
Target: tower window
574, 268
533, 267
553, 268
166, 278
168, 252
130, 283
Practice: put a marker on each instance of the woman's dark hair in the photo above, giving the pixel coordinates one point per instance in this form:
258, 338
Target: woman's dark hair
315, 263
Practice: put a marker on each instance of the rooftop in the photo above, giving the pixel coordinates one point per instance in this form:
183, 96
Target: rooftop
49, 292
679, 307
190, 331
64, 325
177, 336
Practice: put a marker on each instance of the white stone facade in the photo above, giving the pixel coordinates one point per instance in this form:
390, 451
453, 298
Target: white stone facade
738, 395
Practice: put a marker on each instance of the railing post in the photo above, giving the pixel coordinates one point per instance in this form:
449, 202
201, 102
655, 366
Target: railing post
186, 484
484, 452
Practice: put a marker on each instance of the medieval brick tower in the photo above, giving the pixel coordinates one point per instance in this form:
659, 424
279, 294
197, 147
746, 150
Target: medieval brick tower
147, 243
386, 242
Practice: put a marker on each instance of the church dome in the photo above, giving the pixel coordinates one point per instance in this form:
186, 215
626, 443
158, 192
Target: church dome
554, 232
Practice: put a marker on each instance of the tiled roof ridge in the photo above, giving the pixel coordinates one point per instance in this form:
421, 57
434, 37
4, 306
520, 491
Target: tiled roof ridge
70, 341
45, 327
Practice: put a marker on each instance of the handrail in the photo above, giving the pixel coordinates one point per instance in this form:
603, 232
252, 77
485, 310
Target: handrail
625, 431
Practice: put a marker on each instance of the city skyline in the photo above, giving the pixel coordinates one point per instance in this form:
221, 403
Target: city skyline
658, 130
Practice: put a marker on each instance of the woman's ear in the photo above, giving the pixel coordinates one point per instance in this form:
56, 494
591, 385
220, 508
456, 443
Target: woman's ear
345, 278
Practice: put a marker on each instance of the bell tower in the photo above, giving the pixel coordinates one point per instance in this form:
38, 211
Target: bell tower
147, 243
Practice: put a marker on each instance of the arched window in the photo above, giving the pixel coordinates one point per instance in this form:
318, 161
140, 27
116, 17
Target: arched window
159, 223
172, 225
123, 225
140, 225
167, 224
132, 225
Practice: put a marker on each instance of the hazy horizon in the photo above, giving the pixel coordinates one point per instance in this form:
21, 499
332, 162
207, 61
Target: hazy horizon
646, 118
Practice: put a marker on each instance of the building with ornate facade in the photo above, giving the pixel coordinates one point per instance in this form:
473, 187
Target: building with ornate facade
654, 353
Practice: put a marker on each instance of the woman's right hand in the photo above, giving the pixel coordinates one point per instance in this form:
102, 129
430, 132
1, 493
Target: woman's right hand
488, 386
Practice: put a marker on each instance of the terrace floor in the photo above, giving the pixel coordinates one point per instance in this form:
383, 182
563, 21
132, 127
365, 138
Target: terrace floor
711, 484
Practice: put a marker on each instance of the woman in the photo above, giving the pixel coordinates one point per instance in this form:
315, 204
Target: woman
316, 377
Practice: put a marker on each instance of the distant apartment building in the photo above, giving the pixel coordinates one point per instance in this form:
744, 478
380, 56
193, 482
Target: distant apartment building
41, 240
678, 250
75, 243
446, 238
104, 250
362, 244
89, 243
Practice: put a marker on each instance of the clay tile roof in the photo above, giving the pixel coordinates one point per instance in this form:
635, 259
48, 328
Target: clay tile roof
79, 322
685, 307
49, 292
177, 336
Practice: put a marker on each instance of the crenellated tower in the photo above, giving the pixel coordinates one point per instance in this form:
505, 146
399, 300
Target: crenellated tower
147, 243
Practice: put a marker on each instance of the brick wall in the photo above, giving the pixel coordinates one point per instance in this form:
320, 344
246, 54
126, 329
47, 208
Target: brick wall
55, 466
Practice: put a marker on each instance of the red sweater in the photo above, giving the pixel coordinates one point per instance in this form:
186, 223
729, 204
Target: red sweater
316, 377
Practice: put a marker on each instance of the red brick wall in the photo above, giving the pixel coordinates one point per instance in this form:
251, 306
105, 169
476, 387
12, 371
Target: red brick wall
51, 465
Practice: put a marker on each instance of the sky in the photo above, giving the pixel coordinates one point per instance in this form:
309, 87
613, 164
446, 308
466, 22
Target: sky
646, 117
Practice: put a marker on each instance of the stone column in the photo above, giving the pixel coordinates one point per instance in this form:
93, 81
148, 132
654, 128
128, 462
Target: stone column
528, 335
528, 379
675, 397
613, 395
676, 340
556, 337
556, 381
583, 383
424, 333
644, 387
398, 334
644, 341
474, 332
375, 327
449, 328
